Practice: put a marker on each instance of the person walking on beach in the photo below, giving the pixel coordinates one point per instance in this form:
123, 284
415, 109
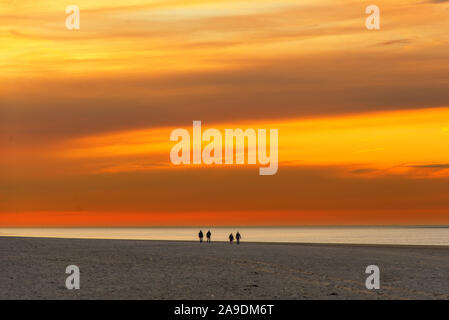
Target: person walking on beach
200, 235
231, 238
237, 237
208, 234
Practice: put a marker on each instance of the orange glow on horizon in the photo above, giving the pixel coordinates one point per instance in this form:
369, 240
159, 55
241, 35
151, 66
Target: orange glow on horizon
185, 219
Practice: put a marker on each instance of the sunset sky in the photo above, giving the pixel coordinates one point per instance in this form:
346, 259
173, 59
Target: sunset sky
86, 115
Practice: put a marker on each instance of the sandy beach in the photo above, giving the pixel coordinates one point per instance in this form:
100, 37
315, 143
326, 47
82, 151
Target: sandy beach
34, 268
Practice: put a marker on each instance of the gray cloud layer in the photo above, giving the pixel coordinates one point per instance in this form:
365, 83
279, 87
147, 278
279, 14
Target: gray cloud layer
234, 189
43, 109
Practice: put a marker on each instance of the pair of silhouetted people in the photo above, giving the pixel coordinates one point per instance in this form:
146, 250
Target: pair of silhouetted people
237, 237
208, 235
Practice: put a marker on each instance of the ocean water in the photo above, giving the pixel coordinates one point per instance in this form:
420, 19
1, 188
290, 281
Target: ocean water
349, 235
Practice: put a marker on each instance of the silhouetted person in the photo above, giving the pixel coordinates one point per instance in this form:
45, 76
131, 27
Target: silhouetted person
200, 235
237, 237
208, 234
231, 238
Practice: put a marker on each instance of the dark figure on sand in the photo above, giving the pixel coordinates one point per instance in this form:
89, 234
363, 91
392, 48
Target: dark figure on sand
237, 237
208, 234
200, 235
231, 238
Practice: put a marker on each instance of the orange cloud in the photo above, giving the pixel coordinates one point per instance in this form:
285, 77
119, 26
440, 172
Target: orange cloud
85, 116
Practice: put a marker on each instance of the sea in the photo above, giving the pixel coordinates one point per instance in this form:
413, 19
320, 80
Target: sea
435, 236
